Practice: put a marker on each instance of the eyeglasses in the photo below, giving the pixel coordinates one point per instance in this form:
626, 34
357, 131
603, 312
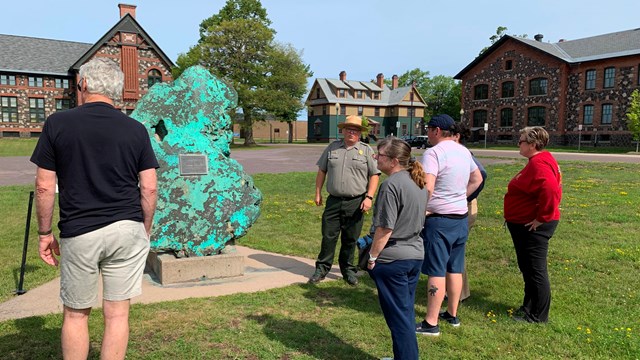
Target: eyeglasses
381, 154
351, 130
521, 141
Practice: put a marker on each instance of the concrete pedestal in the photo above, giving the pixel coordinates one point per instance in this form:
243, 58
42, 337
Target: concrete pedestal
171, 270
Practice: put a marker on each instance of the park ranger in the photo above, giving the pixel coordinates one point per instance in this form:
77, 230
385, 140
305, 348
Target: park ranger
352, 179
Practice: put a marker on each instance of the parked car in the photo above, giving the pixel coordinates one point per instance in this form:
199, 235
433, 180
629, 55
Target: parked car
419, 141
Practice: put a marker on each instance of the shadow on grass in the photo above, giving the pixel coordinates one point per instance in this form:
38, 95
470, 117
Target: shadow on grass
478, 301
33, 339
362, 298
307, 338
16, 274
284, 263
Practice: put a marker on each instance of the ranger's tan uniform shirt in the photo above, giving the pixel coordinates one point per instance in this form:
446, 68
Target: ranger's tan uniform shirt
348, 171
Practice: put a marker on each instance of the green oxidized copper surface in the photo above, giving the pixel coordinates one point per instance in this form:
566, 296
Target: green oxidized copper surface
196, 215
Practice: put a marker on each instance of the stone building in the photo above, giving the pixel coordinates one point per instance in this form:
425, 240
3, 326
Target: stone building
39, 76
390, 110
576, 89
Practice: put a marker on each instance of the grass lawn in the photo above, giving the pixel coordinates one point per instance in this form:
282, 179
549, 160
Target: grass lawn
594, 262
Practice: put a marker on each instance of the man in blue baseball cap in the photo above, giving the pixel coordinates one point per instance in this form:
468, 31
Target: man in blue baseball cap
451, 175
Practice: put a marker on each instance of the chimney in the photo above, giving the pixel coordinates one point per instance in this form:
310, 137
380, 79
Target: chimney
127, 9
343, 75
562, 40
380, 80
538, 37
394, 82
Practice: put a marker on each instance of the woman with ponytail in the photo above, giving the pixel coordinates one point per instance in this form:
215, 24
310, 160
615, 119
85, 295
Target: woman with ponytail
397, 250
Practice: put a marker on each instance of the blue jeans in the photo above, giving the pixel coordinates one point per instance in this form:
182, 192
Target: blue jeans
396, 283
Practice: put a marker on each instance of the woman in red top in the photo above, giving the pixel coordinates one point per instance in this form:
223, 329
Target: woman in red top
531, 210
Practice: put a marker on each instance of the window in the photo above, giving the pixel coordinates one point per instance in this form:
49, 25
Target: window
62, 83
538, 86
506, 117
317, 93
376, 111
36, 109
360, 110
63, 104
8, 80
411, 112
153, 77
343, 110
376, 95
481, 92
342, 93
508, 65
587, 118
35, 81
479, 118
590, 80
8, 109
607, 112
536, 116
324, 109
507, 89
609, 77
359, 94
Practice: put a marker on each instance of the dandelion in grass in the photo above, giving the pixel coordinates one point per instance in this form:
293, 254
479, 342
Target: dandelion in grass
588, 331
311, 202
579, 328
623, 193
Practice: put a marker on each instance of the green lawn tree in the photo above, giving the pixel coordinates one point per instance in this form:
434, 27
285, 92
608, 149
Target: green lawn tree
633, 117
237, 44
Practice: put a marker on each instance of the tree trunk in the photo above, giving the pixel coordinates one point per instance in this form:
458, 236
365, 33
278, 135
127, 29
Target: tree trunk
247, 126
290, 123
637, 144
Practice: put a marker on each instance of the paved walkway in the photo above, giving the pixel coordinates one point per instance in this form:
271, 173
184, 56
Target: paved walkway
263, 271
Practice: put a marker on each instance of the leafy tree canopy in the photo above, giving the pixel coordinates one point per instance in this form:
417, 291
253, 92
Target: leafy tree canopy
500, 32
633, 116
238, 45
441, 93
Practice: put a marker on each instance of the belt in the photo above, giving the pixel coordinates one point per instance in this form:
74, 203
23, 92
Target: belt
348, 197
449, 216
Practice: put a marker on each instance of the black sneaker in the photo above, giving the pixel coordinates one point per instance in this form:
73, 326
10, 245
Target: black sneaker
316, 278
453, 320
424, 328
351, 280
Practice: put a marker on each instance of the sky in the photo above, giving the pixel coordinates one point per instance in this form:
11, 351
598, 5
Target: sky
361, 37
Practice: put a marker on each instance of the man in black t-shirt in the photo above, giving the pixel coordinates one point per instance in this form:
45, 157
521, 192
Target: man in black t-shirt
106, 172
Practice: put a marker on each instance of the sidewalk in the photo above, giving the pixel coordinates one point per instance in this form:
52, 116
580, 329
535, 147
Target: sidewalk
263, 271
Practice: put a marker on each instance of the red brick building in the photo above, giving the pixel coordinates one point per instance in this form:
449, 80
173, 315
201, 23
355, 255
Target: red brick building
578, 87
39, 76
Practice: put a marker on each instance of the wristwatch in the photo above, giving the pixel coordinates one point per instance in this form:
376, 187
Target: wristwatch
372, 259
45, 232
369, 197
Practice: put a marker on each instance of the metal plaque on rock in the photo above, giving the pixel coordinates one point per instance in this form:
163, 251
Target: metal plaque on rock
193, 164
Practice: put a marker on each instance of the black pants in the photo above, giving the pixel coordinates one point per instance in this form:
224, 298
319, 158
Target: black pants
532, 248
341, 217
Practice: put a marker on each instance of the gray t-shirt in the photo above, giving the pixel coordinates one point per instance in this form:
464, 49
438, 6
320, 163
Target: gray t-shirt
400, 206
348, 170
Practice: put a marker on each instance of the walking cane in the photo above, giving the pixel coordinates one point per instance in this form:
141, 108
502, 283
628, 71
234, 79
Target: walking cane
20, 290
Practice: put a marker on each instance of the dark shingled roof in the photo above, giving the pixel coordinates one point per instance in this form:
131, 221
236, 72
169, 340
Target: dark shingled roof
621, 43
39, 56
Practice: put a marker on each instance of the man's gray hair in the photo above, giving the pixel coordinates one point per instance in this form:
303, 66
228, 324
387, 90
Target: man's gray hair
103, 76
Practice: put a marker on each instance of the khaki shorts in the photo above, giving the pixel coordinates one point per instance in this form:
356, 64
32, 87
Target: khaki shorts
118, 251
